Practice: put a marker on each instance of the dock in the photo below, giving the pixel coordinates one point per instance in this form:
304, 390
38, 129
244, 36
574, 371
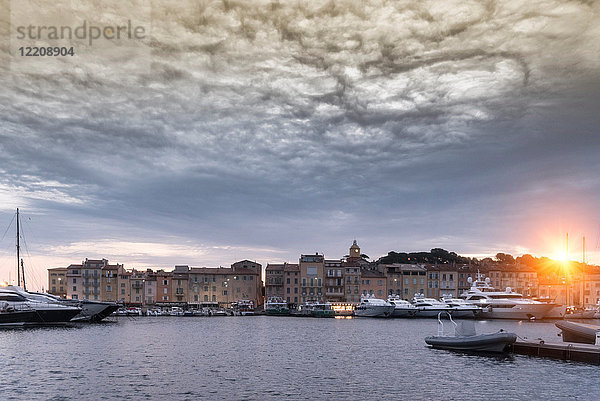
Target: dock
565, 351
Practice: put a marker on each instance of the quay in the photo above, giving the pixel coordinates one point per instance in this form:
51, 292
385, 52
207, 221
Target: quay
565, 351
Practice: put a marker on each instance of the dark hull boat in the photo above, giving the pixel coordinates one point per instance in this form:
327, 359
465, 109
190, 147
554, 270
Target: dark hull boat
17, 308
11, 318
496, 342
578, 332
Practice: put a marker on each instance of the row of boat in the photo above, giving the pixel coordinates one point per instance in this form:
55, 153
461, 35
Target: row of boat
22, 308
480, 301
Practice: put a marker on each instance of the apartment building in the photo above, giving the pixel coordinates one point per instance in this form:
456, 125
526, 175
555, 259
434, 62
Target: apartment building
312, 273
57, 281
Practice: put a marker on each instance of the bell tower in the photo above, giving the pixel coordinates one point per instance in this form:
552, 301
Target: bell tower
354, 250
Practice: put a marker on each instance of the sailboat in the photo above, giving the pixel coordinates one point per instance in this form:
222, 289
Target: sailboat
20, 308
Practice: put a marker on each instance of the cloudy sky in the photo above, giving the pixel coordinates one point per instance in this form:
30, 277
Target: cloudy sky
265, 129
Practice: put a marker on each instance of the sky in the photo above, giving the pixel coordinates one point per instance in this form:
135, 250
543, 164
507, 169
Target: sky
262, 130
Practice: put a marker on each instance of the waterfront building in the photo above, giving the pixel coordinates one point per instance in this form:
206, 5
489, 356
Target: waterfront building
109, 282
274, 280
352, 281
57, 281
124, 292
442, 281
590, 286
220, 285
312, 273
163, 287
334, 280
84, 280
520, 278
405, 280
150, 288
373, 282
256, 271
136, 282
464, 272
179, 284
291, 284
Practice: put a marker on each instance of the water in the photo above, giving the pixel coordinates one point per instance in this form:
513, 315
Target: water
261, 357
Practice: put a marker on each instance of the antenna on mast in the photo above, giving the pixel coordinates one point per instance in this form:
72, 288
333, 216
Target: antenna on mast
18, 252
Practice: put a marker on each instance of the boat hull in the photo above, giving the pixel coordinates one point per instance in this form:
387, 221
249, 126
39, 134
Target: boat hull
578, 332
278, 312
403, 312
431, 312
517, 312
374, 311
496, 343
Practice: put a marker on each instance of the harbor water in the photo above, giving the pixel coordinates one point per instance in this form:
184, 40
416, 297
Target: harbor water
261, 357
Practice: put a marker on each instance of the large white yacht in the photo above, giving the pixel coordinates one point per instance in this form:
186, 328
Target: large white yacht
429, 307
402, 308
373, 307
503, 304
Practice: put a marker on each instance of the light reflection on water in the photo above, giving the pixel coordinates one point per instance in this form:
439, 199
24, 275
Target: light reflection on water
276, 357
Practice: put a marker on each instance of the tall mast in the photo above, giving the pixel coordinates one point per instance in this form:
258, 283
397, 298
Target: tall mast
567, 252
18, 252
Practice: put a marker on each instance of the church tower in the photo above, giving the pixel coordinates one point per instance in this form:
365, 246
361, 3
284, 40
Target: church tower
354, 250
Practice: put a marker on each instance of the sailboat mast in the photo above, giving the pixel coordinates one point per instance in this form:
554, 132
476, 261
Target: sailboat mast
18, 252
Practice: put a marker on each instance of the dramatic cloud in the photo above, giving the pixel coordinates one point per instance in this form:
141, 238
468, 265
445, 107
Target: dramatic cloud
297, 126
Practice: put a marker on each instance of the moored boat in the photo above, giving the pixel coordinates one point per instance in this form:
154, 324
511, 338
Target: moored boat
429, 307
373, 307
503, 304
276, 306
574, 332
16, 299
466, 339
402, 308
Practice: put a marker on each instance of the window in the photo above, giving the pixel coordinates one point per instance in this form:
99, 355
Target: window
224, 292
288, 290
295, 290
74, 280
380, 282
54, 281
311, 271
75, 296
164, 290
165, 282
108, 288
122, 292
74, 288
287, 280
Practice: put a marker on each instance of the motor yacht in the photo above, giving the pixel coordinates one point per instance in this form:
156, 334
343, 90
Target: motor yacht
91, 311
503, 304
44, 312
402, 308
429, 307
373, 307
461, 308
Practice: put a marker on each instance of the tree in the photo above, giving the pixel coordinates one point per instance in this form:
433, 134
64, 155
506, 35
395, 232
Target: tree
505, 258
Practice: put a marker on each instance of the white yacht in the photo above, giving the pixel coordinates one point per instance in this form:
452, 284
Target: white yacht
503, 304
461, 308
429, 307
373, 307
402, 308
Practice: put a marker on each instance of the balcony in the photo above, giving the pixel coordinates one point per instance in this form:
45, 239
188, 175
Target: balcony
137, 285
